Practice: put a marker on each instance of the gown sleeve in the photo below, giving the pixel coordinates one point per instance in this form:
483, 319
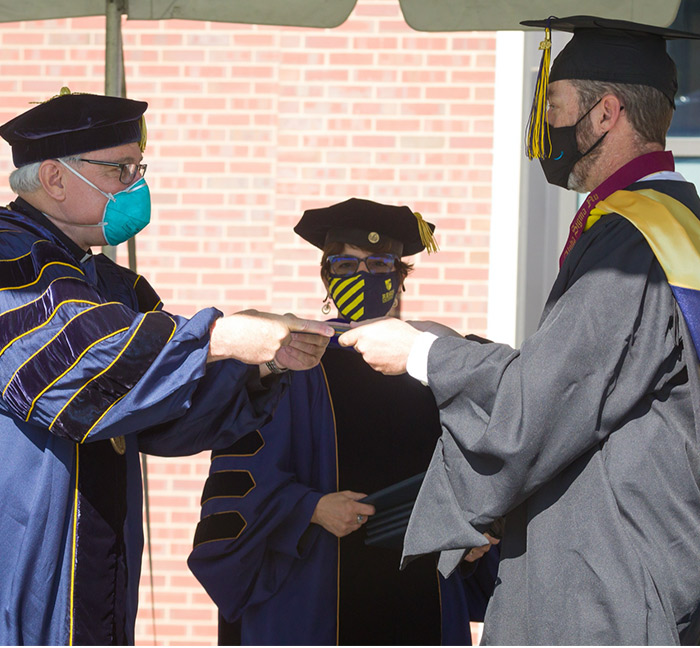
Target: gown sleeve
86, 368
257, 506
513, 419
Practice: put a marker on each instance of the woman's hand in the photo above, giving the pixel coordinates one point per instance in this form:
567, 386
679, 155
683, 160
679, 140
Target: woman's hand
478, 552
340, 513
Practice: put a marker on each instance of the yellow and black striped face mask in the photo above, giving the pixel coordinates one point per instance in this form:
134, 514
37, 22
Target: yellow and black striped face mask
364, 295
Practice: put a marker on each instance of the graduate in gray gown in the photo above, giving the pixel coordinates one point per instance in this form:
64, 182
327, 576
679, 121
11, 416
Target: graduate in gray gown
586, 439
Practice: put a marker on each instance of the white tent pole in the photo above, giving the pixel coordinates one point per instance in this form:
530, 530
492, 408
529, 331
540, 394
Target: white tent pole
115, 86
114, 67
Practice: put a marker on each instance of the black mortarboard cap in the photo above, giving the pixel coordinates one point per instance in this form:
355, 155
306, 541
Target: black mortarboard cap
367, 224
73, 123
602, 49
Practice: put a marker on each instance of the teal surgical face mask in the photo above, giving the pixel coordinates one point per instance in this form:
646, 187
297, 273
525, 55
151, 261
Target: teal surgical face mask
126, 213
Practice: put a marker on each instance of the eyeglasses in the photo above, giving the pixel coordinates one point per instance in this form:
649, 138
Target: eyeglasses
343, 265
128, 171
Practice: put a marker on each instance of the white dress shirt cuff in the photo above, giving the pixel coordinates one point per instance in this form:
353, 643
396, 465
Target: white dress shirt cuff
417, 361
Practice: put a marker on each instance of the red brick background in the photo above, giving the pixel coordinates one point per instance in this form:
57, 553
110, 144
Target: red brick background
249, 126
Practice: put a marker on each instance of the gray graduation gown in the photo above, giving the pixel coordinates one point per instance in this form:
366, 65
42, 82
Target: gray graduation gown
586, 440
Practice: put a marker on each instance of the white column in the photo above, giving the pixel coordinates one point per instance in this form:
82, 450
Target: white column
505, 202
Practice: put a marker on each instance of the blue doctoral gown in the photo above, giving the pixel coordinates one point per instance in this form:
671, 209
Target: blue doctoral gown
86, 356
276, 578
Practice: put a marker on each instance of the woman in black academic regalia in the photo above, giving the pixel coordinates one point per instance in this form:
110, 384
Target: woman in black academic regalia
298, 569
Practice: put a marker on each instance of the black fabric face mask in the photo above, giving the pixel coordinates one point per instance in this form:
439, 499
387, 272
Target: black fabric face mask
564, 153
364, 295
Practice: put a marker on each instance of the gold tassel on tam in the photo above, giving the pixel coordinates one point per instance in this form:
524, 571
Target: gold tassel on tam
537, 127
65, 90
426, 234
142, 142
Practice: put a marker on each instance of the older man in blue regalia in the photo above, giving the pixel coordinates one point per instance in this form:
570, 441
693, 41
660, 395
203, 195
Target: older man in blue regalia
93, 372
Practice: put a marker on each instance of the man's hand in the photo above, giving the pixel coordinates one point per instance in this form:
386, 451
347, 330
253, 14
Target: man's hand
478, 552
384, 343
255, 338
340, 513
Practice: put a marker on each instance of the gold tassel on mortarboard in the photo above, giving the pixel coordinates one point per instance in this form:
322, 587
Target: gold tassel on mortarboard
426, 234
537, 127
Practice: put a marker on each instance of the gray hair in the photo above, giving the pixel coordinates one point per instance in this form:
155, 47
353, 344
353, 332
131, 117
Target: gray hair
648, 109
25, 180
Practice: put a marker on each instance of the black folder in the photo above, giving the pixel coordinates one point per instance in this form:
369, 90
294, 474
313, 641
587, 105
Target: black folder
393, 504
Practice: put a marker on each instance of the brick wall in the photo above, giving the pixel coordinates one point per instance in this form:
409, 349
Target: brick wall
249, 126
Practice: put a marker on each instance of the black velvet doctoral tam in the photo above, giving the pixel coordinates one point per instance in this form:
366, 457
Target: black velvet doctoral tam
73, 123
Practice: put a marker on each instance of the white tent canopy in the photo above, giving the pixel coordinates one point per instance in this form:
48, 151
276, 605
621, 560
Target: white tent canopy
421, 15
